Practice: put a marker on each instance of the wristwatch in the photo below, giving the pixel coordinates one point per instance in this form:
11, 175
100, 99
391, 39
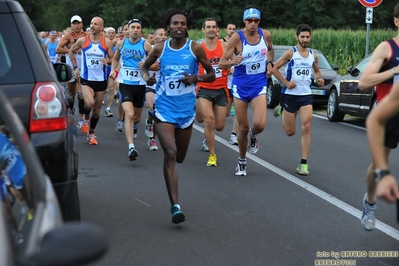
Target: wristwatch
379, 174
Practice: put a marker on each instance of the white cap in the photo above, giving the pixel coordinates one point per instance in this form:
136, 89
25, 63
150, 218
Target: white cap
77, 18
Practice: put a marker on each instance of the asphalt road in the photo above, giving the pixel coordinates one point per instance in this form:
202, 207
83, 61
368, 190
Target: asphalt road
270, 217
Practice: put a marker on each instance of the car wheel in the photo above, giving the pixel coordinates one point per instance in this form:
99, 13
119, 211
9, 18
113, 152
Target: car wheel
333, 114
71, 208
270, 99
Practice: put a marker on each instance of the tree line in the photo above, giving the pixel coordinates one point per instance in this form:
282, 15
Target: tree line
332, 14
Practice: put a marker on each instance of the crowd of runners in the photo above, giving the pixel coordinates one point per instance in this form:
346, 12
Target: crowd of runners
178, 80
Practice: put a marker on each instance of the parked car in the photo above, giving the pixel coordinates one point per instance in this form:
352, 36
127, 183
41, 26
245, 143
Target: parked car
346, 98
320, 94
33, 87
31, 228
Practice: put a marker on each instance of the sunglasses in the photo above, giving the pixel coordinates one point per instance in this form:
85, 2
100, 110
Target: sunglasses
250, 20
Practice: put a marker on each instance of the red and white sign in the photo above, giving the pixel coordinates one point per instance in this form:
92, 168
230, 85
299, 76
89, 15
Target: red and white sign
370, 3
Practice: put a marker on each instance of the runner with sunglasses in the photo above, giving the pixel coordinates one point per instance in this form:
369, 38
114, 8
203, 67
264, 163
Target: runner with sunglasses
254, 49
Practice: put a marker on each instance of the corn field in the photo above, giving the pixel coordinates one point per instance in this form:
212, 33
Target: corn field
341, 47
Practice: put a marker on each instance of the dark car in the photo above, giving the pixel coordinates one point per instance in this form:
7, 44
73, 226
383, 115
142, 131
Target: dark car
320, 94
31, 228
31, 83
346, 98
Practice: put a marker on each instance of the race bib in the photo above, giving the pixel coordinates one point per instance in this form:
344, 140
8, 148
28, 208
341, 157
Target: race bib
131, 73
256, 67
94, 62
174, 87
217, 70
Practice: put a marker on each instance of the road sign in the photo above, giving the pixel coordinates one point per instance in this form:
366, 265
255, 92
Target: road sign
369, 15
370, 3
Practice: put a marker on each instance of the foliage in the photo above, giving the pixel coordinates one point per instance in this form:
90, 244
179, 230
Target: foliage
339, 25
334, 14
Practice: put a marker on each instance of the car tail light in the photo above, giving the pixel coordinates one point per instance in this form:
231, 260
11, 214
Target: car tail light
48, 109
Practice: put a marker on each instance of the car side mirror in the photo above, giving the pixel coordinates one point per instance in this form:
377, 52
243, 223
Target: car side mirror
63, 71
72, 243
335, 67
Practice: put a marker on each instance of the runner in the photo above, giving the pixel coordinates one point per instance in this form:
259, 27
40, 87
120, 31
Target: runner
51, 46
175, 96
254, 49
150, 130
297, 95
110, 34
96, 54
73, 85
383, 72
133, 51
212, 96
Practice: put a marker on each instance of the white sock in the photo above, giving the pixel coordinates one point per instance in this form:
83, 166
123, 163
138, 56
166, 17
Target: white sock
131, 146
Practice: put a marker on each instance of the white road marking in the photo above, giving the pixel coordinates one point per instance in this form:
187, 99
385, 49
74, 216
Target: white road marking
342, 123
388, 230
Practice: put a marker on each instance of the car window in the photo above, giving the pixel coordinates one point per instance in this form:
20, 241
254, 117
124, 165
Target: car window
4, 58
15, 64
323, 62
278, 54
15, 190
362, 65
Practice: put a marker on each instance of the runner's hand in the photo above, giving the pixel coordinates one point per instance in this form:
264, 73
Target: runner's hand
387, 189
151, 80
188, 79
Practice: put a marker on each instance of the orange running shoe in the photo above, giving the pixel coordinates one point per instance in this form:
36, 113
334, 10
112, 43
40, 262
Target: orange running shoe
85, 126
92, 139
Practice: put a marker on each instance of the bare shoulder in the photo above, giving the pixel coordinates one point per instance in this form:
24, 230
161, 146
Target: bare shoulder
147, 46
224, 45
157, 49
266, 32
287, 55
108, 42
81, 40
383, 51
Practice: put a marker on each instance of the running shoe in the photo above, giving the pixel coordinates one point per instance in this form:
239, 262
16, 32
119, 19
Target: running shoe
233, 140
149, 129
92, 139
152, 145
177, 215
212, 160
204, 146
135, 131
241, 169
303, 169
368, 216
119, 126
277, 110
132, 154
79, 124
107, 113
73, 111
85, 126
253, 146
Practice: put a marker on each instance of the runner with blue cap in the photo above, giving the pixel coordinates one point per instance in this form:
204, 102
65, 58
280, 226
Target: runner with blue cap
254, 49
